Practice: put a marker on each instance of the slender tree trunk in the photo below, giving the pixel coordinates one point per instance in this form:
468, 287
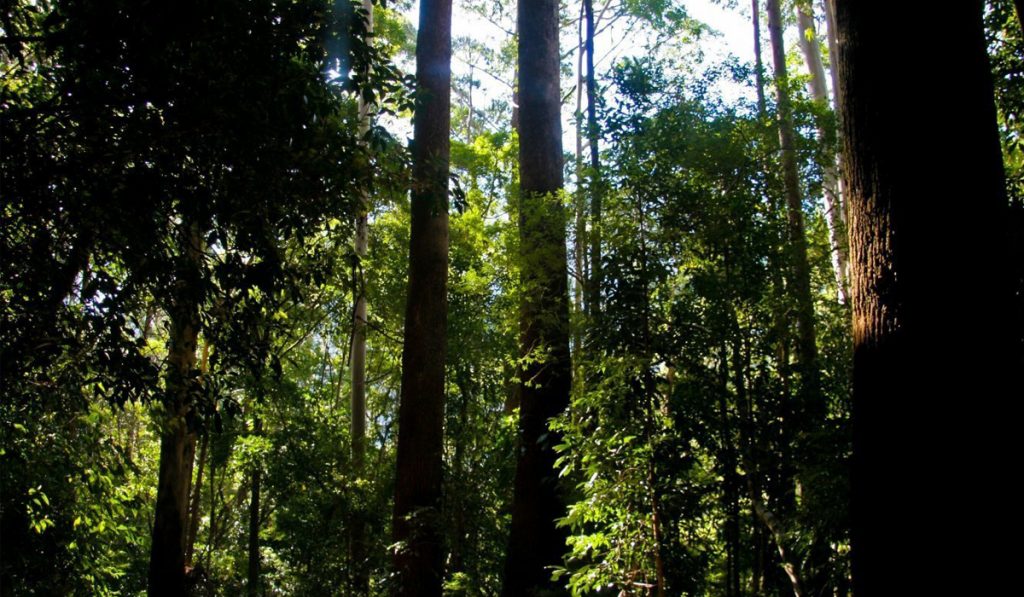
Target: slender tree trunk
457, 488
197, 492
419, 561
809, 44
649, 394
212, 534
1019, 5
758, 61
535, 541
253, 584
758, 566
789, 564
580, 244
656, 530
515, 87
833, 57
596, 181
805, 417
167, 552
934, 342
357, 530
807, 350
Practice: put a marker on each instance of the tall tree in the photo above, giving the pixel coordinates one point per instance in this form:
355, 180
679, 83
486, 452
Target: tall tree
834, 210
596, 182
758, 61
536, 542
931, 293
255, 481
359, 327
419, 558
800, 270
167, 551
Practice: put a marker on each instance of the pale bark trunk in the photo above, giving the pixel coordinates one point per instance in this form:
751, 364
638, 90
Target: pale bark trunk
833, 57
515, 88
596, 182
758, 61
809, 44
579, 247
357, 422
361, 245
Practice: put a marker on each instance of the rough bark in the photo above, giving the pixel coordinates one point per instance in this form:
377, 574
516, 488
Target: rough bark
809, 44
931, 294
535, 542
418, 561
167, 551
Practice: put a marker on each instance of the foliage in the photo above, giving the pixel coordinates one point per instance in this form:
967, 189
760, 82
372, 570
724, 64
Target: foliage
210, 155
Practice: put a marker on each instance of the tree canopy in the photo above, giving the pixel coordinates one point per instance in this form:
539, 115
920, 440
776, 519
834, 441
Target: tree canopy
298, 297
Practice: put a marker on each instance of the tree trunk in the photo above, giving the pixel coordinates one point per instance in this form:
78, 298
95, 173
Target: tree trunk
800, 270
253, 584
360, 574
934, 340
596, 182
457, 488
833, 58
167, 551
809, 44
197, 492
580, 244
535, 541
758, 61
773, 525
515, 88
419, 560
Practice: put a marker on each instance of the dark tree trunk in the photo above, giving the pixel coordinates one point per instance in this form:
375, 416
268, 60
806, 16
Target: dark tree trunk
197, 492
535, 542
167, 551
419, 562
253, 584
931, 293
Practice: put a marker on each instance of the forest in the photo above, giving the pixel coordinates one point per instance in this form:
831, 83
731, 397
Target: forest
536, 298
